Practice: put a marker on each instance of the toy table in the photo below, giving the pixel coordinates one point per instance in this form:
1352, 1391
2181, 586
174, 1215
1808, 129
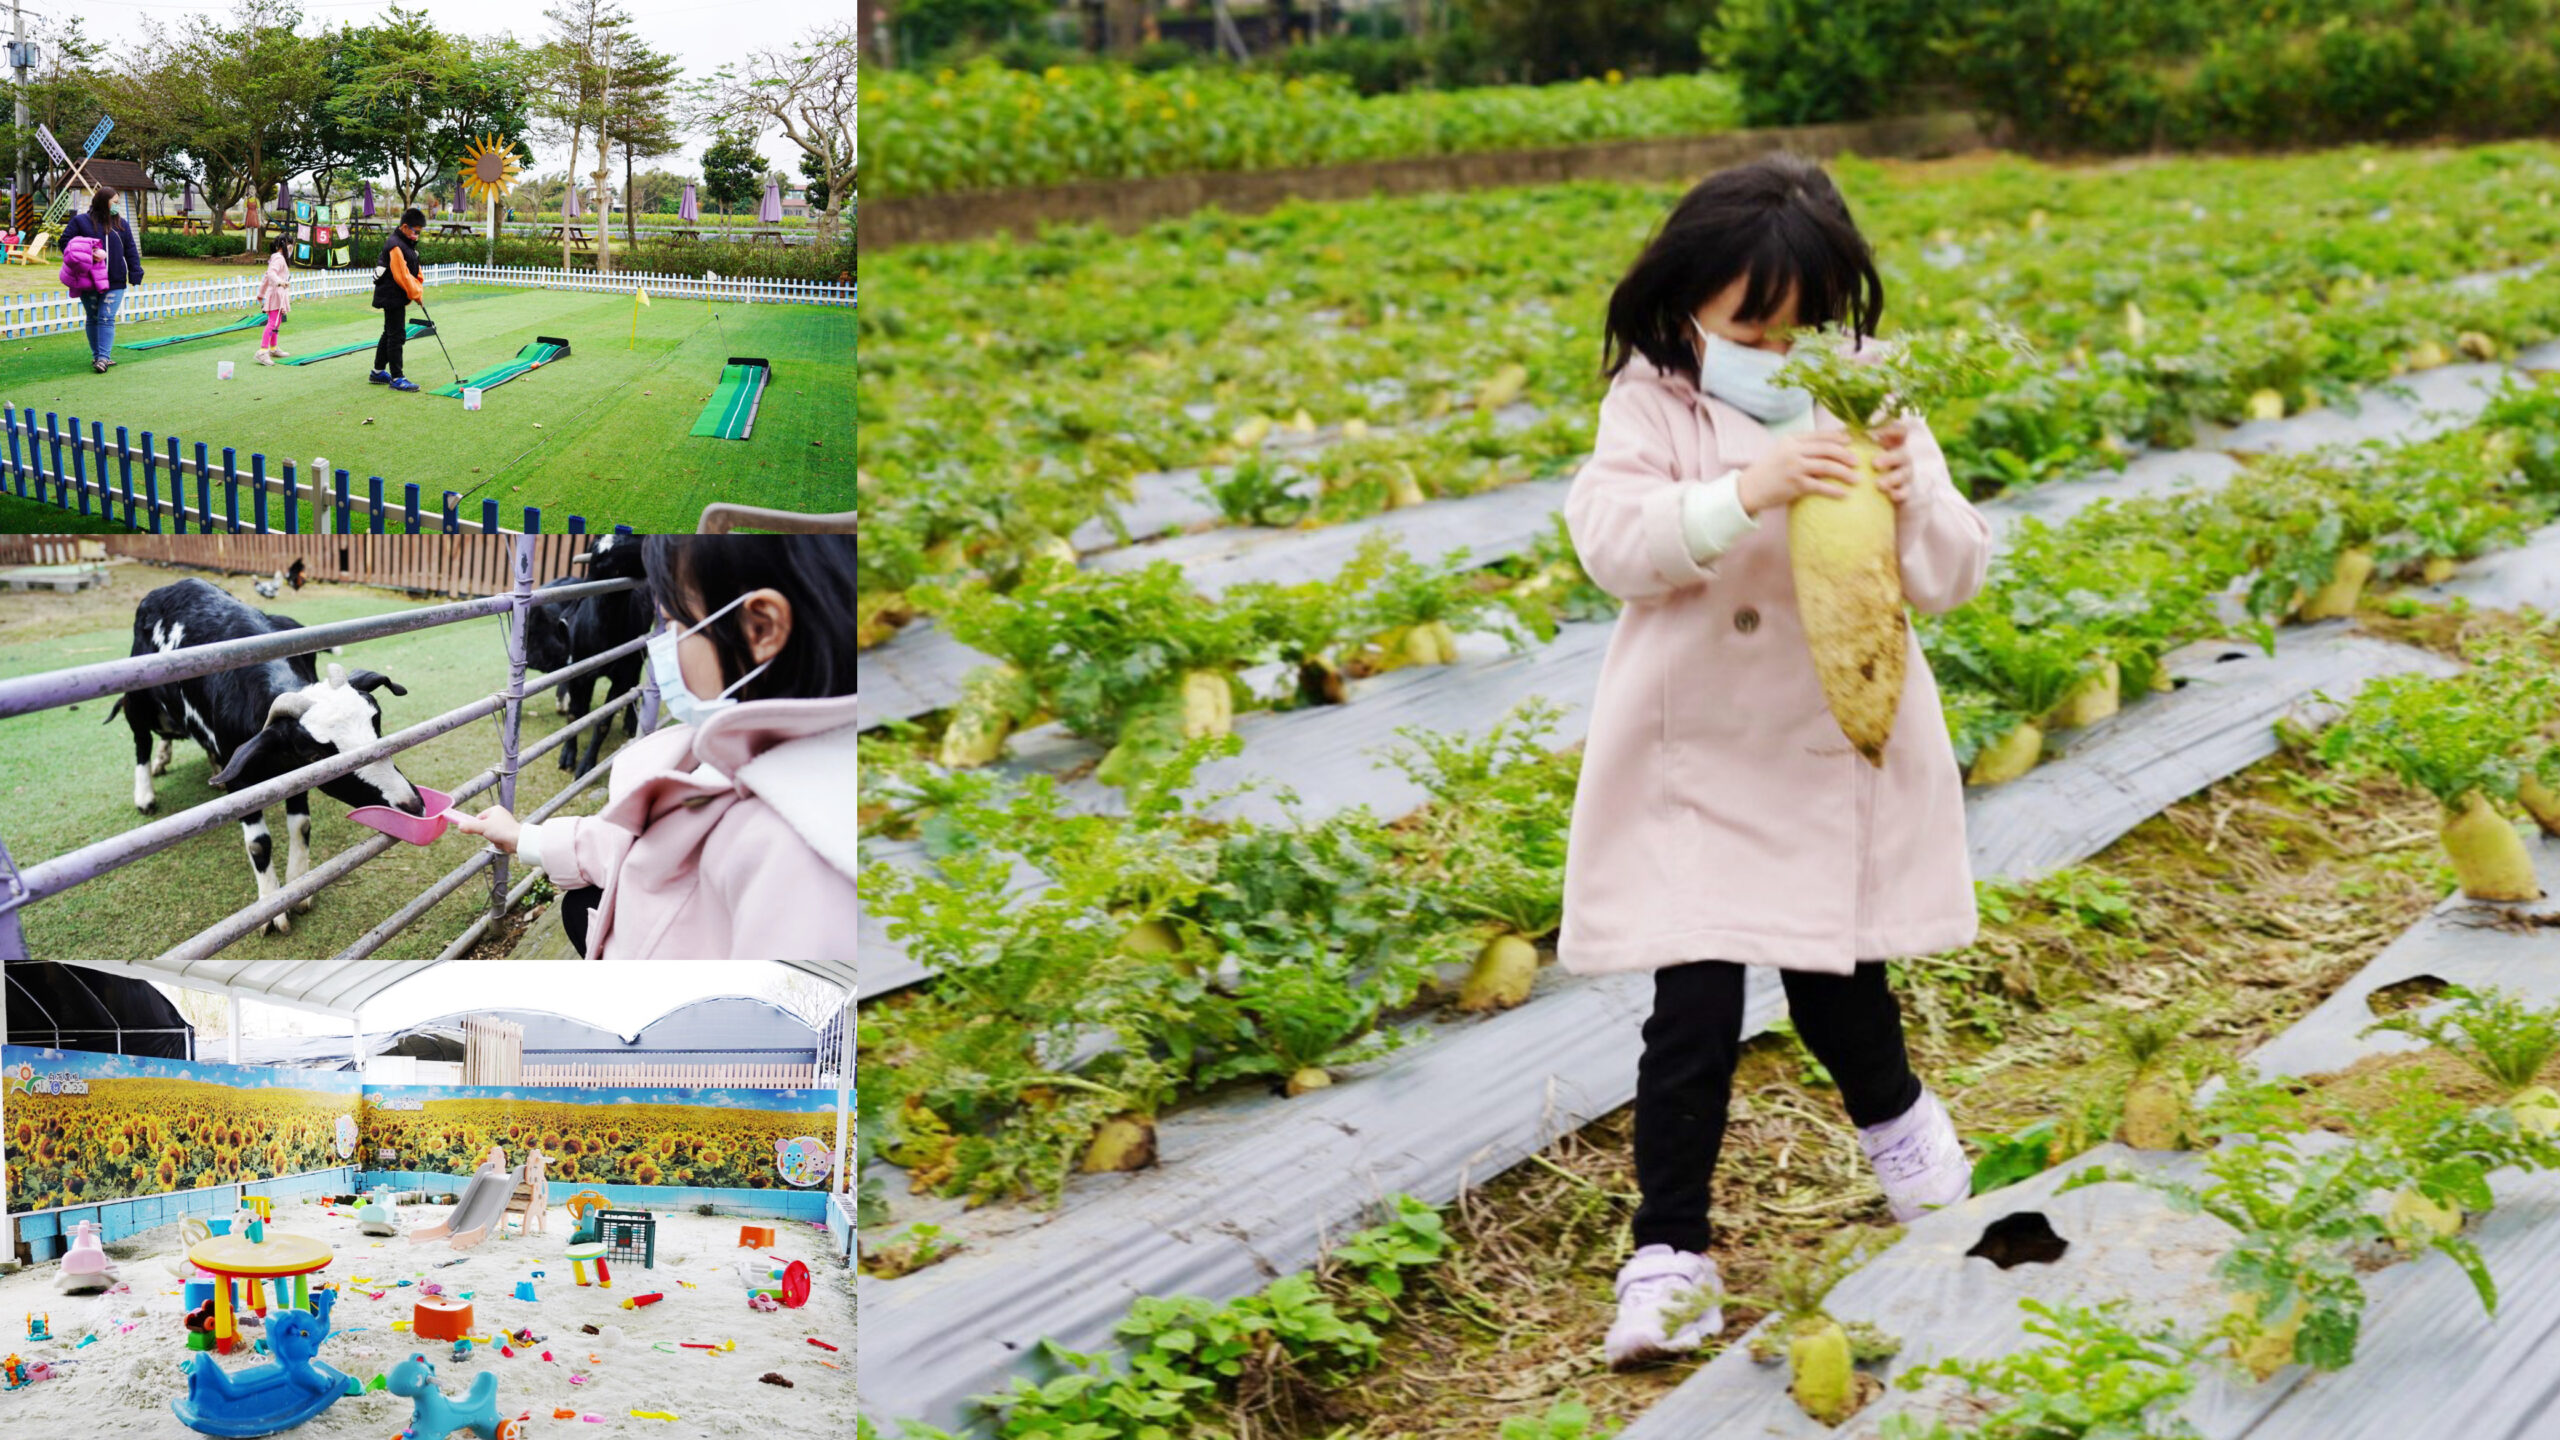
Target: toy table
228, 1256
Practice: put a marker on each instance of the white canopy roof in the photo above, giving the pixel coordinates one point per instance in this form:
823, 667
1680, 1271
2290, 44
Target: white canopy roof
337, 987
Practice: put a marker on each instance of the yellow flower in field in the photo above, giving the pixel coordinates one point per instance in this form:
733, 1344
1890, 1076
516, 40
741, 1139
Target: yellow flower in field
940, 101
1055, 74
1614, 77
1294, 88
1190, 100
1165, 113
945, 76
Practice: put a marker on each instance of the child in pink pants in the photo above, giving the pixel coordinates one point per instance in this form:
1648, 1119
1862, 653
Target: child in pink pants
275, 296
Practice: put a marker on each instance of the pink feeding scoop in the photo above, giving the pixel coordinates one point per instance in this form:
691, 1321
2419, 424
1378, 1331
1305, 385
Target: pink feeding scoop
401, 825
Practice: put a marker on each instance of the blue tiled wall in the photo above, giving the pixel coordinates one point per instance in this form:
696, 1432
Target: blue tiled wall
810, 1205
48, 1235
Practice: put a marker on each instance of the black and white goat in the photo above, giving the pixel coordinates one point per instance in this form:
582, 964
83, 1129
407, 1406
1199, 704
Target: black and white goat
256, 722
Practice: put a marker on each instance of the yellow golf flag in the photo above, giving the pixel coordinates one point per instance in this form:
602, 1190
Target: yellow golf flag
643, 293
640, 297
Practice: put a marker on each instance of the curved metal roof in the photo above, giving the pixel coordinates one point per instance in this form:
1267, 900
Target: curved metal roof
339, 987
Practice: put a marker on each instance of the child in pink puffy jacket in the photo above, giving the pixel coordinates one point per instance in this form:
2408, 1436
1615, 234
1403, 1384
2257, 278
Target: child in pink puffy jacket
275, 296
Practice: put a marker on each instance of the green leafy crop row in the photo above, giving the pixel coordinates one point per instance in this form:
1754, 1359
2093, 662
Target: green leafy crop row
988, 128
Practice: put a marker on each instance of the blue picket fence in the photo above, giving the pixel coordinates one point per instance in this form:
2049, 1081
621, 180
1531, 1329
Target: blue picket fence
86, 477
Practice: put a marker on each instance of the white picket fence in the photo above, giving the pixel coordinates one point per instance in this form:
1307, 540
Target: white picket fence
47, 314
675, 1077
622, 282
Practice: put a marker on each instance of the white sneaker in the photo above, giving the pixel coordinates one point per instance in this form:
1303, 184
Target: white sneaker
1918, 1159
266, 356
1655, 1279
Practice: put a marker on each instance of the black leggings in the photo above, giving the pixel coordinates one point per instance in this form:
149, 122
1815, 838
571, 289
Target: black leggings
395, 333
575, 906
1851, 1023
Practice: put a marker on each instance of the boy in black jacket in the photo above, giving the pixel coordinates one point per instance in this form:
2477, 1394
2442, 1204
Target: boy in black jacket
396, 282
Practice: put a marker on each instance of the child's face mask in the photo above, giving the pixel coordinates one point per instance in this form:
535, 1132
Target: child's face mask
1742, 377
681, 702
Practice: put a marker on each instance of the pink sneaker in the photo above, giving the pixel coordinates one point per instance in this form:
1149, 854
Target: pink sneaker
1656, 1279
1918, 1159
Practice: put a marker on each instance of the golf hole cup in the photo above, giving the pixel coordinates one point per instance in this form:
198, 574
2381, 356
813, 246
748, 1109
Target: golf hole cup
470, 397
221, 369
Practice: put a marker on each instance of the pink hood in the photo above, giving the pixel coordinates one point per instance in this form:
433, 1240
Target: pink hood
730, 841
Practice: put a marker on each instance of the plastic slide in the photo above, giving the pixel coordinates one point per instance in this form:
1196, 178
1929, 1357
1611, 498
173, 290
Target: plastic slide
254, 317
732, 411
416, 329
543, 350
483, 1201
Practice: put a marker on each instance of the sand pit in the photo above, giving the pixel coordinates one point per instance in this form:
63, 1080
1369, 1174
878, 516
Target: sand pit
123, 1384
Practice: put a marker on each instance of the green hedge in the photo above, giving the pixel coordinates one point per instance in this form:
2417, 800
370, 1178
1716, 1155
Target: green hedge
2140, 74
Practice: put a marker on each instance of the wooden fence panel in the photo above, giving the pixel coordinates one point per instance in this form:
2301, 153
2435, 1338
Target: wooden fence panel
458, 565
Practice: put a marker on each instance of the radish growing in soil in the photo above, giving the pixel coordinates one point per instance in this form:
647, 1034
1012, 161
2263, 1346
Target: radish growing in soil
2467, 740
1821, 1352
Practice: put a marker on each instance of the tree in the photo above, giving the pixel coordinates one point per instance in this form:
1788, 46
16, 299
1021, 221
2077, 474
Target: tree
813, 172
262, 83
809, 91
659, 192
642, 120
731, 169
574, 91
151, 104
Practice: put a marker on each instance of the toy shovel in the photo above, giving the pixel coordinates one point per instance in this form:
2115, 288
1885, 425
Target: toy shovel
401, 825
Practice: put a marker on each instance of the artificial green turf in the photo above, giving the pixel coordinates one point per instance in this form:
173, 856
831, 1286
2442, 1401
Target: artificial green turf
66, 780
412, 331
156, 341
604, 436
733, 404
528, 360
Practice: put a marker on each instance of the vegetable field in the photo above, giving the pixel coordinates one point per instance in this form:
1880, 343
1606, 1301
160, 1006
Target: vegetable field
1228, 684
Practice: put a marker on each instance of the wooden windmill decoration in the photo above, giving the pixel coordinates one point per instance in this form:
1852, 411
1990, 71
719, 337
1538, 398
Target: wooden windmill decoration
489, 170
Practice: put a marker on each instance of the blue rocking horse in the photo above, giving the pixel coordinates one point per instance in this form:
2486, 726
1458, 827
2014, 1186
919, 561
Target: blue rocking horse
267, 1398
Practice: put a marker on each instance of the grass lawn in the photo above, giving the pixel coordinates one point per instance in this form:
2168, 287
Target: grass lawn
66, 780
600, 434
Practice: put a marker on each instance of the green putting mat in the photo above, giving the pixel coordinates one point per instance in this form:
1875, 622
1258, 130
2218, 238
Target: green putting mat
416, 329
254, 317
732, 411
543, 350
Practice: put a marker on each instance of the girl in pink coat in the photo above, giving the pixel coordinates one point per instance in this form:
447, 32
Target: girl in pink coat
728, 833
1723, 819
275, 296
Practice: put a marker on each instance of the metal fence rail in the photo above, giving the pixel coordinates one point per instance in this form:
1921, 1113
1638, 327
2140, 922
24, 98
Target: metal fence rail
20, 888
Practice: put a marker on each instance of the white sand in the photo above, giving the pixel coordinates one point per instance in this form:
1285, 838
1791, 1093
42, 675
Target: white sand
124, 1383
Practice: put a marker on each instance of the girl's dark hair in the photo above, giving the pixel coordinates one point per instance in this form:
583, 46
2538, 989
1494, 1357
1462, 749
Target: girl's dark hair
102, 204
276, 246
692, 575
1775, 222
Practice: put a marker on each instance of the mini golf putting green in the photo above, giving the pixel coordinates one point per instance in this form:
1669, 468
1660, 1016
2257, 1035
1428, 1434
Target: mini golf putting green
543, 350
254, 317
731, 414
416, 329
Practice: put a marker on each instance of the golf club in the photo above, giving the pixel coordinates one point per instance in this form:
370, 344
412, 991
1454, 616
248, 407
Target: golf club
438, 331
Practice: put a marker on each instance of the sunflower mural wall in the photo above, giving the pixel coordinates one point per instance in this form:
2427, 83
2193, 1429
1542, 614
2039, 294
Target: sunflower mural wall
82, 1127
711, 1139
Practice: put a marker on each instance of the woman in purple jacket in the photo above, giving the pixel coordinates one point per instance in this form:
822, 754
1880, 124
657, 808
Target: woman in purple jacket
124, 267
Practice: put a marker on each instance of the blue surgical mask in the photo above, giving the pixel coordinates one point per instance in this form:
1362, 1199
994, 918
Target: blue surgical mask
681, 702
1743, 377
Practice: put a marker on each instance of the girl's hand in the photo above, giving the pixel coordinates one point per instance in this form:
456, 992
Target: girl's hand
494, 825
1797, 465
1893, 468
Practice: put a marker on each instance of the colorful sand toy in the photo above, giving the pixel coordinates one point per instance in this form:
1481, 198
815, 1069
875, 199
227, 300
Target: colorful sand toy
267, 1398
592, 1252
434, 1415
378, 1215
86, 1270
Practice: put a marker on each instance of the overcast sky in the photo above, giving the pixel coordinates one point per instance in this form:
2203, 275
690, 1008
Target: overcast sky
703, 36
620, 995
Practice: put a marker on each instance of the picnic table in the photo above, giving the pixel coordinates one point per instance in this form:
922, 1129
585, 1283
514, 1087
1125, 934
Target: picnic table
773, 235
455, 228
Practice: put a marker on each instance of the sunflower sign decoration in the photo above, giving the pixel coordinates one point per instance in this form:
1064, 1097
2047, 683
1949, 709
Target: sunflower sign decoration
489, 170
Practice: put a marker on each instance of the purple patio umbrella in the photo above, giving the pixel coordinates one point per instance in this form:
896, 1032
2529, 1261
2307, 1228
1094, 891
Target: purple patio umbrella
771, 213
457, 197
574, 212
368, 199
284, 199
685, 209
190, 207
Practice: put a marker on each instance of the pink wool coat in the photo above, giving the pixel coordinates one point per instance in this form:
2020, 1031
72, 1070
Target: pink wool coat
275, 287
728, 841
1722, 814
